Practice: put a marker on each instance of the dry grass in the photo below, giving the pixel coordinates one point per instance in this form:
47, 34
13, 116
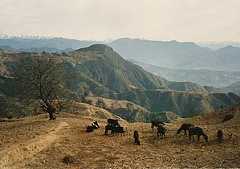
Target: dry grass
95, 150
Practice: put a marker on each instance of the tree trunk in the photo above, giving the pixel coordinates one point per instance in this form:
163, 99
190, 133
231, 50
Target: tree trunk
52, 115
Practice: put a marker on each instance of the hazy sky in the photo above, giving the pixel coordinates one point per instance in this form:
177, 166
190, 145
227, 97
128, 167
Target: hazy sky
184, 20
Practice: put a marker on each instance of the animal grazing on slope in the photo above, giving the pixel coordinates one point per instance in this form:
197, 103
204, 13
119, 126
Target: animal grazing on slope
114, 126
92, 127
197, 131
136, 137
185, 127
114, 129
161, 131
156, 123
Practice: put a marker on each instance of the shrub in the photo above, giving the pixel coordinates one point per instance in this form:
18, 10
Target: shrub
68, 159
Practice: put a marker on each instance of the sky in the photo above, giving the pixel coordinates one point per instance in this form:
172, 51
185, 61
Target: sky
183, 20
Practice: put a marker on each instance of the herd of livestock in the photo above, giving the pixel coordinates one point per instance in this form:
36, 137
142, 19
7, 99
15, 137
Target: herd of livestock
188, 129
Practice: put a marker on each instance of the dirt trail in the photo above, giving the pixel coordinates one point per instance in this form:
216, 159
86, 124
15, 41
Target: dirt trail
14, 156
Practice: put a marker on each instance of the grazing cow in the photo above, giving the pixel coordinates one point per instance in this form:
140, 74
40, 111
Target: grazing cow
136, 137
197, 131
161, 131
114, 126
156, 123
220, 136
185, 127
114, 129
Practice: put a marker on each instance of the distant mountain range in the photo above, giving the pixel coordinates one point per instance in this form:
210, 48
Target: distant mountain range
175, 61
178, 55
218, 45
235, 88
170, 54
43, 44
203, 77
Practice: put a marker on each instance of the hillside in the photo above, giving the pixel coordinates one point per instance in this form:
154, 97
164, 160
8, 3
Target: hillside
202, 77
185, 104
123, 108
103, 65
101, 71
35, 143
186, 87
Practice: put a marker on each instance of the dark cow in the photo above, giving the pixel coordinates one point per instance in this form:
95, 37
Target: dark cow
161, 131
136, 137
197, 131
185, 127
114, 126
114, 129
156, 123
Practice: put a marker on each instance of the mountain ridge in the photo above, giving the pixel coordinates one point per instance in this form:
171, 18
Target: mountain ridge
204, 77
101, 71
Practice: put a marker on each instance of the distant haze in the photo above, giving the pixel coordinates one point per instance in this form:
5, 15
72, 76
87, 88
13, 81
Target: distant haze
184, 20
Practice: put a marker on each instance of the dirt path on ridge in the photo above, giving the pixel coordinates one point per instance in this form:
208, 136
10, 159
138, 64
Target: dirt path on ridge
14, 156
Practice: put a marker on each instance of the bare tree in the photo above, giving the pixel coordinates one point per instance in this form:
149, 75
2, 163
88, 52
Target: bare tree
40, 78
100, 103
